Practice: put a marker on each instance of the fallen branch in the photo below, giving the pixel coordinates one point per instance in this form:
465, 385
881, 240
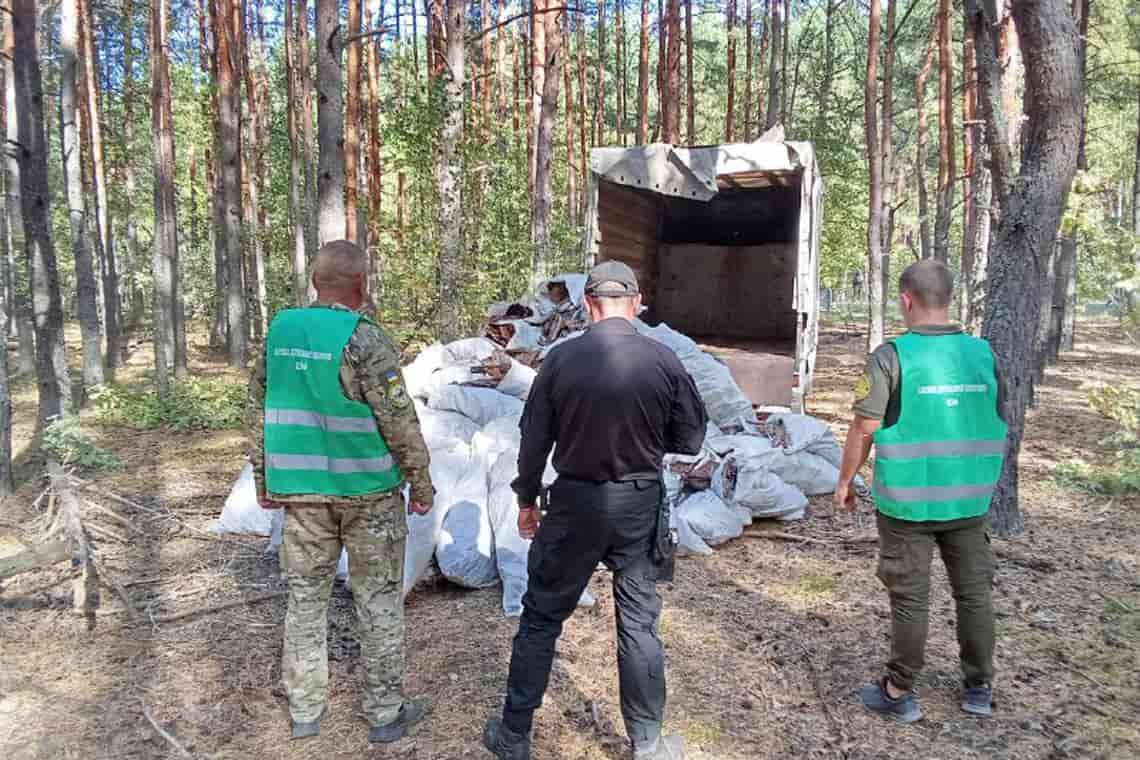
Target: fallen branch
113, 515
777, 535
161, 732
217, 607
1032, 563
35, 558
818, 687
109, 580
85, 485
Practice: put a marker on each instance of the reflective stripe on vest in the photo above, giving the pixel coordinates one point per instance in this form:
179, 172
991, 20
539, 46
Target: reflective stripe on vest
942, 458
327, 422
328, 464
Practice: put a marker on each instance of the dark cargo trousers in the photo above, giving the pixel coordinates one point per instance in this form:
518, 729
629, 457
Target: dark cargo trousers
588, 523
905, 551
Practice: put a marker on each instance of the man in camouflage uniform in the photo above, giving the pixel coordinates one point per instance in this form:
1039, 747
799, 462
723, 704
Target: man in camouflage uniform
333, 502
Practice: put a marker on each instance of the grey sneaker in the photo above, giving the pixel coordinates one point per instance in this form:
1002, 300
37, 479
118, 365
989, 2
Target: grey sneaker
978, 700
410, 714
504, 743
310, 729
904, 708
670, 747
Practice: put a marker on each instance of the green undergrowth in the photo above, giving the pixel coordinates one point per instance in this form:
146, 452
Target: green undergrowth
193, 404
66, 440
1119, 475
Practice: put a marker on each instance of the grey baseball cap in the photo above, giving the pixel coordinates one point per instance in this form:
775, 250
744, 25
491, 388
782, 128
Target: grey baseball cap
612, 279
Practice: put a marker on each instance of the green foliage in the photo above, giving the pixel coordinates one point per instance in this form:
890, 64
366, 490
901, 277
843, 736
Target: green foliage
66, 440
194, 403
1121, 476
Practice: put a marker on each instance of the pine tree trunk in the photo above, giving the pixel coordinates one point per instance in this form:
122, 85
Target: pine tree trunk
823, 99
253, 163
1064, 297
7, 483
352, 122
228, 198
643, 78
671, 101
330, 124
925, 241
947, 174
622, 78
305, 110
583, 118
537, 81
690, 86
571, 133
21, 276
297, 214
544, 147
600, 79
488, 62
886, 137
375, 167
976, 215
165, 204
516, 82
874, 161
501, 32
449, 173
749, 62
110, 272
762, 69
87, 307
1031, 202
730, 108
776, 67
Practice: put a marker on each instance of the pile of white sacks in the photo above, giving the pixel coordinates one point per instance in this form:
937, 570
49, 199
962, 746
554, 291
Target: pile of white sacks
473, 436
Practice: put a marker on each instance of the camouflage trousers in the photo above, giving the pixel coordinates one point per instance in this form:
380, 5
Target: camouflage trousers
374, 534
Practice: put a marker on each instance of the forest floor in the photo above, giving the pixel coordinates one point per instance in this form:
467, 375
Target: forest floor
766, 640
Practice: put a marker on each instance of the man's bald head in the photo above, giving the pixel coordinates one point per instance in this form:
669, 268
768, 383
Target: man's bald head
929, 282
340, 273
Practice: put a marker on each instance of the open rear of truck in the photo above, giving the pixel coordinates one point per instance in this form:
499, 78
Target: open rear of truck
725, 243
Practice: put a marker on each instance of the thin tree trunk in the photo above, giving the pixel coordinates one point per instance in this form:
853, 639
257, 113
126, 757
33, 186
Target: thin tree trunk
730, 108
305, 110
133, 255
690, 86
643, 78
228, 198
110, 273
571, 135
449, 173
600, 78
947, 174
488, 62
21, 276
537, 82
671, 100
762, 70
887, 156
401, 208
776, 67
437, 35
1009, 56
925, 241
165, 204
1048, 277
86, 285
583, 117
1030, 202
501, 33
7, 483
622, 77
823, 99
1064, 297
976, 215
660, 69
1136, 181
375, 167
874, 161
544, 148
749, 62
253, 161
352, 122
516, 84
296, 161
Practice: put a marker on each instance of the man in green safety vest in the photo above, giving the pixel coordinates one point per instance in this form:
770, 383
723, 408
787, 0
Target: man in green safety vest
928, 400
334, 437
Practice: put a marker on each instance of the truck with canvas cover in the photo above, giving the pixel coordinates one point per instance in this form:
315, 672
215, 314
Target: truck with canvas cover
725, 242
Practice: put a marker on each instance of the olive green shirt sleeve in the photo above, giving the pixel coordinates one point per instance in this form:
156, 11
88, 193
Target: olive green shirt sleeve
878, 384
255, 421
371, 374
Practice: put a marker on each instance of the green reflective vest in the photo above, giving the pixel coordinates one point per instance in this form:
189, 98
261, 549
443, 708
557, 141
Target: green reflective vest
317, 441
942, 459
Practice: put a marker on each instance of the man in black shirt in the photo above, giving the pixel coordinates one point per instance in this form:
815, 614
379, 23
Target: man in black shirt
610, 403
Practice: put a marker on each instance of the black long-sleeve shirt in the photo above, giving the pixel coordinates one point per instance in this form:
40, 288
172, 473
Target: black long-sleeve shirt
612, 403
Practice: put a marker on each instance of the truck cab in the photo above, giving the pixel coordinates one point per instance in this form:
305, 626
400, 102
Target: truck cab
724, 240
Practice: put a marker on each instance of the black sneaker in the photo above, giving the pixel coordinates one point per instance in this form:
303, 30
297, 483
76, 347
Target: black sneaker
670, 747
504, 743
410, 714
978, 700
904, 708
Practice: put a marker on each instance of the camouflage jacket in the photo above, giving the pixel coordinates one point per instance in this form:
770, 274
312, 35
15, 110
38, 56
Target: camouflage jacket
370, 374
